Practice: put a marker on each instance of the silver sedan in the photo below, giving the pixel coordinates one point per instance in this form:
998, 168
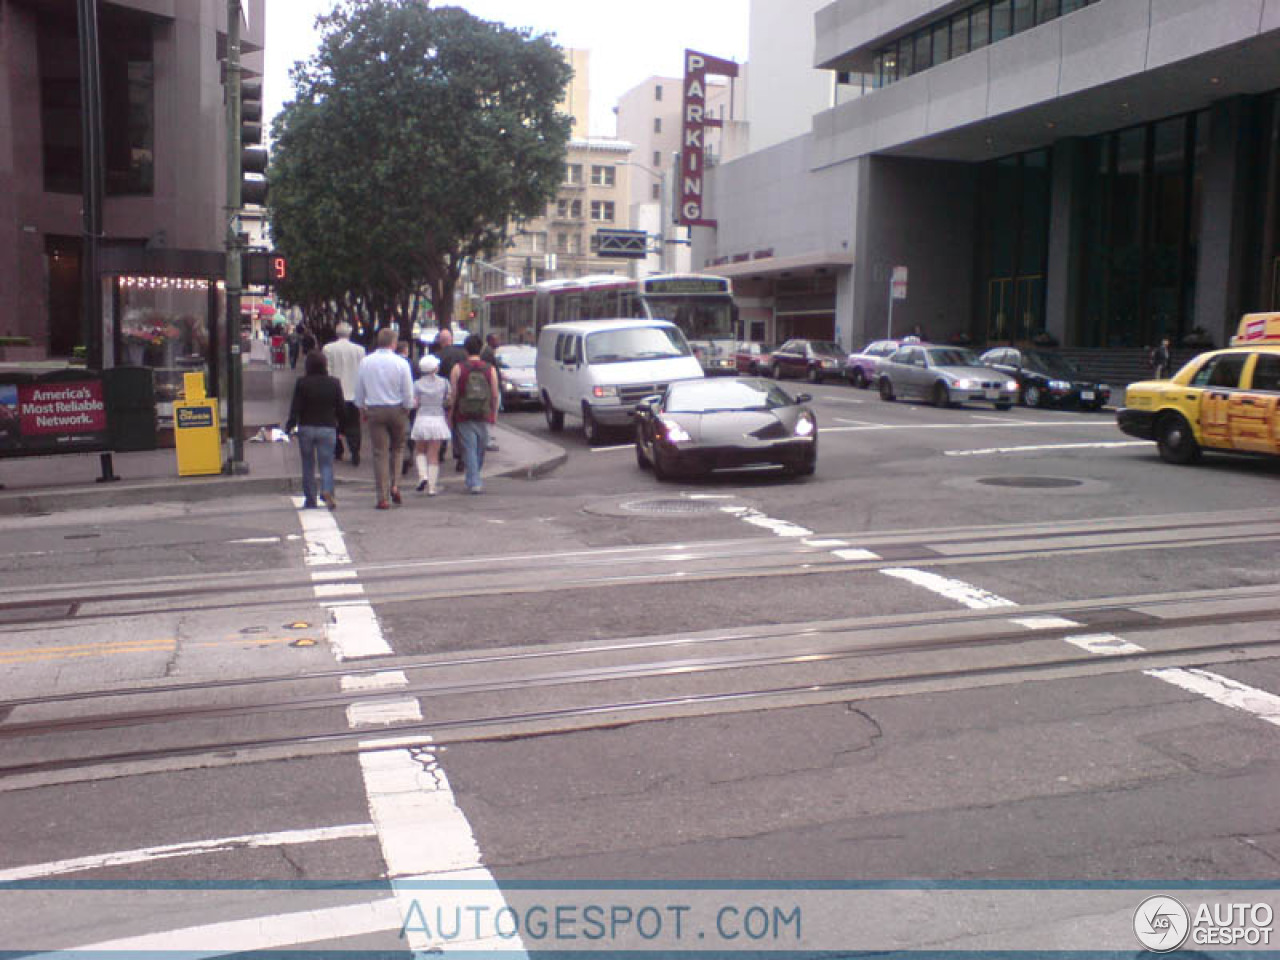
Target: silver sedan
944, 376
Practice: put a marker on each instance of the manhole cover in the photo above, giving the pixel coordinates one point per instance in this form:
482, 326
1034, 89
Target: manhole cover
671, 506
1030, 482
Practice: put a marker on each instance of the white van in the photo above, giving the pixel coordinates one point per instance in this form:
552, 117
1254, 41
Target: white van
600, 369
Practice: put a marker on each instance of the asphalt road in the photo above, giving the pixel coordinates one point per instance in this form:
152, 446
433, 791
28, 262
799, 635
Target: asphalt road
977, 645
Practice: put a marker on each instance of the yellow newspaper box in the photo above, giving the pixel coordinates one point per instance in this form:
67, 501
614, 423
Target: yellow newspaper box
197, 437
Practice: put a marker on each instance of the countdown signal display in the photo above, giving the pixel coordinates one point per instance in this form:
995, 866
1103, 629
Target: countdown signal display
265, 268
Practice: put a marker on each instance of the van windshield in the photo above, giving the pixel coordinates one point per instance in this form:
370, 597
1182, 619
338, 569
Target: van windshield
636, 343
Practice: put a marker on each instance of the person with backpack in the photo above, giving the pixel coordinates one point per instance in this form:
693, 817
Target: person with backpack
474, 389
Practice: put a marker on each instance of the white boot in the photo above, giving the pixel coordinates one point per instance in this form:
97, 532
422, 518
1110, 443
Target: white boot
421, 460
433, 477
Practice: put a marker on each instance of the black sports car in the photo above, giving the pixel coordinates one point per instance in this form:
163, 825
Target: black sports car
1047, 378
699, 426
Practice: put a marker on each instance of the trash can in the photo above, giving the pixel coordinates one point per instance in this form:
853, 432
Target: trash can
197, 435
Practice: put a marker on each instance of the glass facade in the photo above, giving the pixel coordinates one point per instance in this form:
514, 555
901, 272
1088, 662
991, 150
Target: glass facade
958, 34
1013, 248
1140, 239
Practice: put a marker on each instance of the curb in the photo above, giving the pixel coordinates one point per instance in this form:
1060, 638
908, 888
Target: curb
548, 457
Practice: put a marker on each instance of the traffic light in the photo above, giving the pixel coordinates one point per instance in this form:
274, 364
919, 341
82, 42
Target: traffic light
264, 268
253, 156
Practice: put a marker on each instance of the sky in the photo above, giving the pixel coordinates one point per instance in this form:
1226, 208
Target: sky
629, 42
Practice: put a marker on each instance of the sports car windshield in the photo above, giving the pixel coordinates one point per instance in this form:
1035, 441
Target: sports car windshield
1049, 363
636, 343
718, 396
951, 357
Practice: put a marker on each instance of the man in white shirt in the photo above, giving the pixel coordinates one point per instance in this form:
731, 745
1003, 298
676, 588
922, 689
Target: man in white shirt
384, 394
344, 363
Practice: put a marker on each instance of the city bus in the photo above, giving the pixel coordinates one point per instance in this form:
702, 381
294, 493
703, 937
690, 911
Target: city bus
700, 305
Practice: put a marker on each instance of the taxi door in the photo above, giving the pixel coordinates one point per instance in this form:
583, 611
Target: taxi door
1254, 413
1221, 378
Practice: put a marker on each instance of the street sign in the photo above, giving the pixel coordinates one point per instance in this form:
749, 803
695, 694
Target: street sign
899, 283
623, 244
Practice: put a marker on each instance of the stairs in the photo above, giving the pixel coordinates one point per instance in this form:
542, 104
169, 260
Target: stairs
1120, 366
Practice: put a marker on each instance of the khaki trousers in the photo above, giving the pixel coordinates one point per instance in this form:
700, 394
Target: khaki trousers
388, 427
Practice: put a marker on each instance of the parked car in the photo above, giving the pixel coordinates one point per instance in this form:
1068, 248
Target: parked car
752, 357
944, 376
517, 375
861, 367
1047, 378
698, 426
599, 369
817, 360
715, 356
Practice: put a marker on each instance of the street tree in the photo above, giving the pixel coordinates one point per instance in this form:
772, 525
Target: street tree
416, 134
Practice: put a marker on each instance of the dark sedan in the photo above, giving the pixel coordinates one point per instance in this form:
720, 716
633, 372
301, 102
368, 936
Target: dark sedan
518, 375
1047, 379
699, 426
816, 359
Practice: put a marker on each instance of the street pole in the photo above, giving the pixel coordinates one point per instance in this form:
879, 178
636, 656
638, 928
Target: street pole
91, 183
888, 333
235, 428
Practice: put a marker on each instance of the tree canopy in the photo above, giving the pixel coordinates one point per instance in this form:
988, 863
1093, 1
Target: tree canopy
416, 134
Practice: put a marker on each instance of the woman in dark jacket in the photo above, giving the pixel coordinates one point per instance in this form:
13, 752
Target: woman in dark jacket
317, 411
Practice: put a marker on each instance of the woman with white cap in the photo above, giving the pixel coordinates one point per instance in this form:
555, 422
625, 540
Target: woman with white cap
431, 428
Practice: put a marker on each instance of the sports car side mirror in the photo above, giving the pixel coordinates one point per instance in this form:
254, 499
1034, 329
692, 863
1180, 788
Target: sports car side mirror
803, 397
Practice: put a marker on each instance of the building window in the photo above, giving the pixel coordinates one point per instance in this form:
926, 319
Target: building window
602, 211
980, 27
657, 92
924, 52
1001, 20
575, 209
573, 173
595, 243
657, 159
128, 101
657, 124
602, 176
1024, 15
562, 242
960, 34
1047, 10
941, 43
562, 208
655, 191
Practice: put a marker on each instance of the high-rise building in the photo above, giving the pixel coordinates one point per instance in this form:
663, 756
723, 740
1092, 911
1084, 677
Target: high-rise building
165, 176
1092, 173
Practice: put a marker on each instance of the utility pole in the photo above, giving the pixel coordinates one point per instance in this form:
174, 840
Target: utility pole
235, 410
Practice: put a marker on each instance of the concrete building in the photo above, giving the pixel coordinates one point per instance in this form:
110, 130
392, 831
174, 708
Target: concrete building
165, 178
1095, 173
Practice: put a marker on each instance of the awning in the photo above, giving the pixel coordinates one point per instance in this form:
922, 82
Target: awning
774, 266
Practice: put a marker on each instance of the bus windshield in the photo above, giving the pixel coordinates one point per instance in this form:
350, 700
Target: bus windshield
701, 318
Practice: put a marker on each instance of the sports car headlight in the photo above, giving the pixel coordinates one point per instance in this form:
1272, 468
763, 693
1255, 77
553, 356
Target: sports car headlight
1011, 386
964, 384
508, 385
805, 427
675, 433
1059, 385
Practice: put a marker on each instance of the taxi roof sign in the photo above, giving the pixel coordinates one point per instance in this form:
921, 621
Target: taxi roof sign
1258, 329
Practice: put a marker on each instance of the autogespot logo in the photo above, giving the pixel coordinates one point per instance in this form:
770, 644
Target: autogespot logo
1161, 924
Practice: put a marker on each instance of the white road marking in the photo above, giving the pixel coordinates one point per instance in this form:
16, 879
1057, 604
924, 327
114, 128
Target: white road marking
857, 423
354, 632
256, 540
986, 416
988, 451
383, 713
193, 848
1219, 689
782, 528
856, 554
1018, 425
828, 399
970, 596
825, 544
1045, 623
628, 446
1105, 644
1223, 690
384, 680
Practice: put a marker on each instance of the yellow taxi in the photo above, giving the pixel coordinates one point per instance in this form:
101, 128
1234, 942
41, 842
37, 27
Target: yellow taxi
1224, 400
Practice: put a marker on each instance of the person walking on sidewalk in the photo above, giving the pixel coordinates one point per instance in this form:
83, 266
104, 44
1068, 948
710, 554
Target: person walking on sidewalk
384, 394
431, 426
344, 363
1160, 358
474, 388
317, 412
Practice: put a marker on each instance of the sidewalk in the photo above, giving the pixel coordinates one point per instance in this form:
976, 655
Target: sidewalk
40, 485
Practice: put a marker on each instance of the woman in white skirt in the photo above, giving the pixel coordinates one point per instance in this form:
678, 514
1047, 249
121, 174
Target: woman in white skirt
430, 429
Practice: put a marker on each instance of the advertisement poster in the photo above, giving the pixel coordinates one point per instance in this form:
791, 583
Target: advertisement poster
52, 416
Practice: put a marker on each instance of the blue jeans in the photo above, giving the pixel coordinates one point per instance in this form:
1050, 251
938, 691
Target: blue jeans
472, 437
316, 444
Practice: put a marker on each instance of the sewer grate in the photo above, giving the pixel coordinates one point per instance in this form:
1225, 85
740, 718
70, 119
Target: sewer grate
1030, 482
